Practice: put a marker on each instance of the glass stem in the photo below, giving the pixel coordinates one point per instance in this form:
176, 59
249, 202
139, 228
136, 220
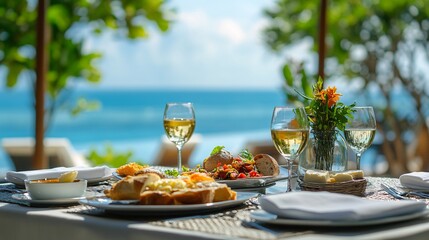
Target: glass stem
358, 155
289, 175
179, 162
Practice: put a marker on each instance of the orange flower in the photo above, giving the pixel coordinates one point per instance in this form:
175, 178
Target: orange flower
329, 95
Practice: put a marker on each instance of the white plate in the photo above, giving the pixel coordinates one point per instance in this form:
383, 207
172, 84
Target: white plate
51, 202
124, 207
252, 182
265, 217
91, 181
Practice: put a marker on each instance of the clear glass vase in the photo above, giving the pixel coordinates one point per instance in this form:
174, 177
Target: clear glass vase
326, 150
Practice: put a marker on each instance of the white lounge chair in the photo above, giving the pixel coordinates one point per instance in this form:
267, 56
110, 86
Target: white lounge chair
167, 153
264, 146
59, 151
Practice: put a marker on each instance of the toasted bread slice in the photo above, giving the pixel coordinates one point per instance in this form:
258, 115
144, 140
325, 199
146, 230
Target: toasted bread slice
130, 187
193, 196
266, 165
221, 191
156, 198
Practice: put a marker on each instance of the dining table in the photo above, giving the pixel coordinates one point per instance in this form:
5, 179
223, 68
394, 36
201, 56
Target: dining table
21, 219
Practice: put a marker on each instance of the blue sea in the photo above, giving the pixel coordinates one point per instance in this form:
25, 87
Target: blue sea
132, 119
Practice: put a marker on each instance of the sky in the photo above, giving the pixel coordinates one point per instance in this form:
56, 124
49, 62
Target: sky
210, 45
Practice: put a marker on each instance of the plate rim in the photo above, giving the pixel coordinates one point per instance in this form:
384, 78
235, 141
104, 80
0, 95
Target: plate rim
333, 223
28, 199
260, 182
165, 208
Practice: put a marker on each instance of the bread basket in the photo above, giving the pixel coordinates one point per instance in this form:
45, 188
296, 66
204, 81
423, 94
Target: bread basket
355, 187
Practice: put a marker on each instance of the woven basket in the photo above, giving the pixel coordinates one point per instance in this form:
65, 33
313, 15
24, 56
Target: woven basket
355, 187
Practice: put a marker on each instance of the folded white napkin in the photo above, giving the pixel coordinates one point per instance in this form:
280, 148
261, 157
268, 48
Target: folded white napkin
87, 173
416, 180
335, 206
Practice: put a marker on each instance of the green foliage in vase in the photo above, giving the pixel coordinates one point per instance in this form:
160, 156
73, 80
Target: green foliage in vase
324, 110
111, 158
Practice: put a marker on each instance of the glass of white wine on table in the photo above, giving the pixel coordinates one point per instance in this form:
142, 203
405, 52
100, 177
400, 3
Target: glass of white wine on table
179, 124
360, 131
289, 132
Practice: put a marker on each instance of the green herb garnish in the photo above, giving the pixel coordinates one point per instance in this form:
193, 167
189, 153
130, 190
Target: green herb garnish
172, 172
216, 150
245, 154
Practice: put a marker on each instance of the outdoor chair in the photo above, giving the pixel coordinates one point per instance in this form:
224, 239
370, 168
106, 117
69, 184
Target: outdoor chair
167, 153
59, 152
264, 146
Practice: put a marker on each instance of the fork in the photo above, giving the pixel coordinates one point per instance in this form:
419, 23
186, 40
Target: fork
399, 194
392, 192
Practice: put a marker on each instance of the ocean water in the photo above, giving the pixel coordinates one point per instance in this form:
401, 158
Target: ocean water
132, 119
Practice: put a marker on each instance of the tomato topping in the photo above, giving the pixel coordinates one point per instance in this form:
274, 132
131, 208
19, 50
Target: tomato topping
241, 175
253, 173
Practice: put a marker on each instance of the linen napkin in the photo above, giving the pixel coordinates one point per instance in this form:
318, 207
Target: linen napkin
335, 206
415, 180
87, 173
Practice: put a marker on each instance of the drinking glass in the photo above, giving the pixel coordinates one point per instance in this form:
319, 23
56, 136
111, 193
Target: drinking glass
360, 131
179, 124
289, 131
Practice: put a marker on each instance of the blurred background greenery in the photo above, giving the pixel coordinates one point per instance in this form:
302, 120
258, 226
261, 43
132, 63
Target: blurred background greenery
382, 46
378, 47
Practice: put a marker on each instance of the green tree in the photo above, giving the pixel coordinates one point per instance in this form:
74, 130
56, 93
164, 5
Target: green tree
69, 21
380, 44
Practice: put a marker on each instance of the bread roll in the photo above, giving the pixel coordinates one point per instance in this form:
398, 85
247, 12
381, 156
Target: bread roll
342, 177
150, 170
266, 165
130, 187
316, 176
222, 157
356, 174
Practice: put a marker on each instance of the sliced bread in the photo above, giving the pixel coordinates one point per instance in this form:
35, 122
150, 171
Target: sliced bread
266, 165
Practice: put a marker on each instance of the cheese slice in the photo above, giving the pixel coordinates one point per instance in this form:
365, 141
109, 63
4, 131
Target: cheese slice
316, 176
342, 177
356, 174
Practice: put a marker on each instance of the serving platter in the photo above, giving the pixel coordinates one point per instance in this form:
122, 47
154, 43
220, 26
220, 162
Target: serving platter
252, 182
130, 207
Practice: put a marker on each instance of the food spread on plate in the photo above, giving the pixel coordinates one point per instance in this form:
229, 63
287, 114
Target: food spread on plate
316, 176
221, 164
134, 169
153, 189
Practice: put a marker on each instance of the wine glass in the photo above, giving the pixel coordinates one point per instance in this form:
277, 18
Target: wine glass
179, 124
360, 131
289, 131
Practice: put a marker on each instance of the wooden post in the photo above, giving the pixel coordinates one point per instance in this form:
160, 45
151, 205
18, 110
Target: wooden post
322, 38
39, 159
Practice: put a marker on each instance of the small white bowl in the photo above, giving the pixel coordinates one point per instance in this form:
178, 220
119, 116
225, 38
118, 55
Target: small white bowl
48, 189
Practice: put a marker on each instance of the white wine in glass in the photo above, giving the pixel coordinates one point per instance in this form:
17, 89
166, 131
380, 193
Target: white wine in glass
289, 131
179, 124
360, 131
